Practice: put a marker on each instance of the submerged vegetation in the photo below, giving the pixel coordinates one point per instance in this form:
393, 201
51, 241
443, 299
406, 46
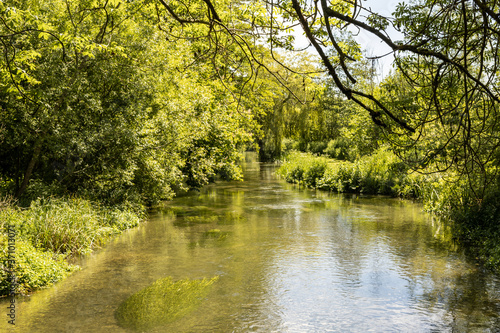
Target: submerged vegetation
162, 302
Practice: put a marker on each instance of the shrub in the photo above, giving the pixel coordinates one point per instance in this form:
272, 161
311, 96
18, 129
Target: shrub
302, 145
316, 147
337, 149
34, 269
303, 168
337, 177
379, 173
289, 145
314, 172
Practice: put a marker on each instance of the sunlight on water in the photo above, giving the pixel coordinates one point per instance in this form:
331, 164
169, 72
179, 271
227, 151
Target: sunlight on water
288, 260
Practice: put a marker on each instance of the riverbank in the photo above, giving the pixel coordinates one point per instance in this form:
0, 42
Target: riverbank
474, 223
38, 241
379, 173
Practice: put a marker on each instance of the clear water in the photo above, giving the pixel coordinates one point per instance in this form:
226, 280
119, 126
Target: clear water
289, 260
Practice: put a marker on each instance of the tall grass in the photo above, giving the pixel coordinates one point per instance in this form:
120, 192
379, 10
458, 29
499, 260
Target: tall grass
68, 226
53, 229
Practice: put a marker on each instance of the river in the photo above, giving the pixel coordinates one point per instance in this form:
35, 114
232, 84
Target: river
288, 260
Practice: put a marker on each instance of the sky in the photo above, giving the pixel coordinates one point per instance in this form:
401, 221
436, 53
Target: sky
370, 42
374, 45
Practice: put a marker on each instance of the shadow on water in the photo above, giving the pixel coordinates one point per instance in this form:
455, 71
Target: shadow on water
288, 260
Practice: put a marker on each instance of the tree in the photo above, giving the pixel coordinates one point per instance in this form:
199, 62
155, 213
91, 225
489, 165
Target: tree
448, 63
96, 101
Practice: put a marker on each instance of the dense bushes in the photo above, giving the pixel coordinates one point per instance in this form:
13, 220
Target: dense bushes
303, 168
337, 148
34, 269
120, 118
316, 147
50, 231
379, 173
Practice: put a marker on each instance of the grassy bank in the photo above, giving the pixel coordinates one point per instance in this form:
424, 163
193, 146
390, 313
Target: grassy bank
475, 223
47, 233
379, 173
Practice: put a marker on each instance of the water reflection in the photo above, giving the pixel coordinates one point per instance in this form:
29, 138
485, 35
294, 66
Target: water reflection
289, 260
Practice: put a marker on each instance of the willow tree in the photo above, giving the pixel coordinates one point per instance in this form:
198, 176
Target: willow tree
447, 66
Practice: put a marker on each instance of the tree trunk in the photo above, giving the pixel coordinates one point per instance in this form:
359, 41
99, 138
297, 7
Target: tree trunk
31, 166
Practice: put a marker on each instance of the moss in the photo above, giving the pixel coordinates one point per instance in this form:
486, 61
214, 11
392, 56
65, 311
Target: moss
162, 302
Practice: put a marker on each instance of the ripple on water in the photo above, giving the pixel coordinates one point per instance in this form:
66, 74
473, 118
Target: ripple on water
288, 260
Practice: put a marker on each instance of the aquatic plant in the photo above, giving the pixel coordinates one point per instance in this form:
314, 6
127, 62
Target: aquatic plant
162, 302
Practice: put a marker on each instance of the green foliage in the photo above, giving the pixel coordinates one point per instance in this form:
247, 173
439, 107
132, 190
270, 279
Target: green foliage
162, 302
316, 147
332, 125
289, 145
313, 172
379, 173
34, 268
101, 104
303, 168
290, 112
337, 148
51, 230
68, 226
475, 223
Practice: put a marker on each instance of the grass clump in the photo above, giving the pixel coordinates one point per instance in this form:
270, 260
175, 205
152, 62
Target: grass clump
68, 226
162, 302
50, 230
